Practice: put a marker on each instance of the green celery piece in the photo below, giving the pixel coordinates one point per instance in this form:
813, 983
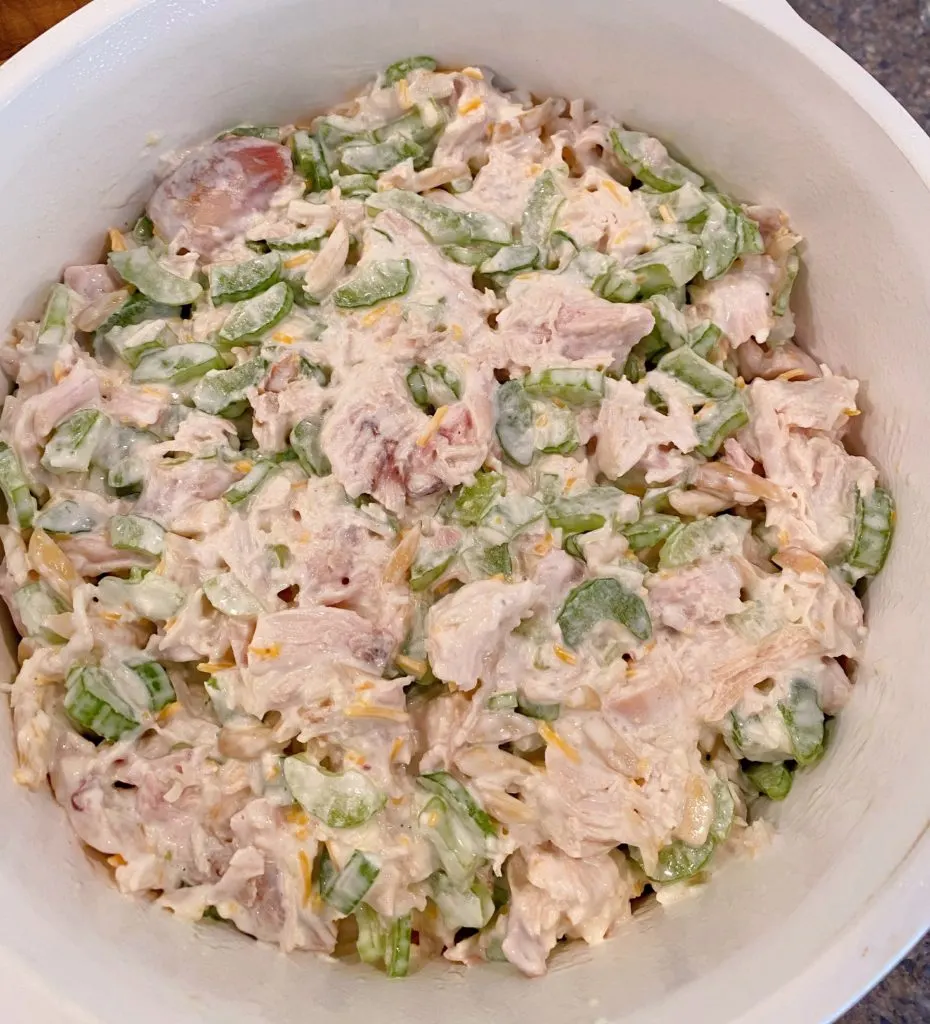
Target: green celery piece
376, 157
140, 268
136, 309
515, 422
686, 365
872, 533
642, 353
542, 206
494, 560
373, 283
225, 392
679, 861
703, 339
345, 890
372, 937
340, 800
781, 303
156, 681
726, 234
237, 281
704, 538
669, 266
554, 428
535, 709
671, 326
804, 721
510, 259
428, 568
35, 603
441, 224
604, 598
231, 597
319, 372
133, 342
719, 240
432, 387
474, 501
650, 162
453, 792
724, 809
143, 230
772, 780
471, 255
67, 517
301, 240
573, 386
137, 533
57, 316
334, 132
615, 283
589, 510
251, 318
271, 133
306, 441
397, 947
719, 420
177, 365
357, 186
650, 530
243, 489
402, 68
73, 442
422, 125
93, 704
310, 162
21, 506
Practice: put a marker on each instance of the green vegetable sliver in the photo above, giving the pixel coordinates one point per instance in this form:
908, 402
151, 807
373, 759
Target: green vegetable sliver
140, 268
379, 280
598, 600
345, 890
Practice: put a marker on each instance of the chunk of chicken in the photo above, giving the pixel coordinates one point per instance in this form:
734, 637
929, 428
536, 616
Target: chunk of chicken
92, 281
740, 302
547, 317
628, 428
553, 895
216, 189
300, 637
380, 443
467, 628
772, 361
607, 216
688, 598
819, 477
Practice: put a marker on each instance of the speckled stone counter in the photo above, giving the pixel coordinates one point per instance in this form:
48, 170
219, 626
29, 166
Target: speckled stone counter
889, 38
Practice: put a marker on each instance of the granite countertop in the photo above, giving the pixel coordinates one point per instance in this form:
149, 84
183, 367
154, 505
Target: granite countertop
892, 40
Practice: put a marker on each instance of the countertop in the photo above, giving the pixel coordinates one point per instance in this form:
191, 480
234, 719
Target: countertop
891, 40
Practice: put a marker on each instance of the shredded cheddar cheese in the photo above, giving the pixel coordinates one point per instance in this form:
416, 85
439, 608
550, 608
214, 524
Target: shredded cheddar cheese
433, 426
552, 738
268, 653
469, 106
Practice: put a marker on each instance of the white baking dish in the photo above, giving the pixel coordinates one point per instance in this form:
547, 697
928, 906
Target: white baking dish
771, 111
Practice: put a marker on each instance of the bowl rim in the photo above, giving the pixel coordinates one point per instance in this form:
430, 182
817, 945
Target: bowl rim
891, 921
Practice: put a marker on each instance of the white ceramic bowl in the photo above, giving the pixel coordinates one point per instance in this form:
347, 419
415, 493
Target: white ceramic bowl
771, 111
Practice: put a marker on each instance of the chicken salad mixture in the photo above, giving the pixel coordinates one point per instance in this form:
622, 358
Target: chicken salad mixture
424, 533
